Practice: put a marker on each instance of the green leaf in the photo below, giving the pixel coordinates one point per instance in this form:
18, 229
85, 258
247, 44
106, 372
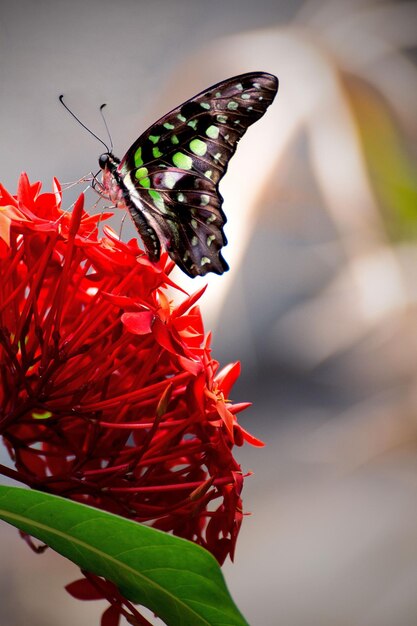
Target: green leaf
178, 580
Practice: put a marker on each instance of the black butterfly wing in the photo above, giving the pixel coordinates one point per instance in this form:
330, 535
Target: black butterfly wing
173, 170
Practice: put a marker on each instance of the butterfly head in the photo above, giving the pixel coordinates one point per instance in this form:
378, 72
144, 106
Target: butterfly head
107, 161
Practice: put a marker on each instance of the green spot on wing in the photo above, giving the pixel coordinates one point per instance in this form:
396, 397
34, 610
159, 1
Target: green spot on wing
174, 140
138, 157
142, 171
232, 105
168, 126
198, 147
156, 152
142, 176
181, 160
205, 105
154, 138
158, 199
193, 124
212, 132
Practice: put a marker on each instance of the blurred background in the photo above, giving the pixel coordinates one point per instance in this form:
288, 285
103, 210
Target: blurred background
320, 301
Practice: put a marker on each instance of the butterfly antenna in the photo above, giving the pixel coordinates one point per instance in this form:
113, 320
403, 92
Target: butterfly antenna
61, 99
107, 128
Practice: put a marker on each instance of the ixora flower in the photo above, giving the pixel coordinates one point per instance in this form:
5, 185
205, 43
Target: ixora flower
109, 394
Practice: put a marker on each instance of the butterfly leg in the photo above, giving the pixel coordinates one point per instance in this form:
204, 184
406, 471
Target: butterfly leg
84, 179
98, 187
121, 224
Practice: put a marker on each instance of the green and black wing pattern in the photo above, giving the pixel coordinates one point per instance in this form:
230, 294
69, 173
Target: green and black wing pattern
170, 175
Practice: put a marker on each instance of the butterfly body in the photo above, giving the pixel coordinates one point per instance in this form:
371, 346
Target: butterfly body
168, 179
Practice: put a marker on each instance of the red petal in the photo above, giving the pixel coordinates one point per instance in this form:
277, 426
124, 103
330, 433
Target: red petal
254, 441
194, 367
239, 406
166, 338
120, 301
198, 388
25, 194
227, 377
226, 416
57, 191
186, 321
5, 223
6, 197
138, 323
111, 616
82, 589
76, 216
188, 302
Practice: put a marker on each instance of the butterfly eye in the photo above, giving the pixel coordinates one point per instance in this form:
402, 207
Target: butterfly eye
103, 160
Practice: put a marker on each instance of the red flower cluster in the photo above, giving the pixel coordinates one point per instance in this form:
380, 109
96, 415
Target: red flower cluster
108, 393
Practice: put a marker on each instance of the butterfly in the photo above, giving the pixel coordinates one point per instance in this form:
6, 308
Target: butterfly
168, 179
